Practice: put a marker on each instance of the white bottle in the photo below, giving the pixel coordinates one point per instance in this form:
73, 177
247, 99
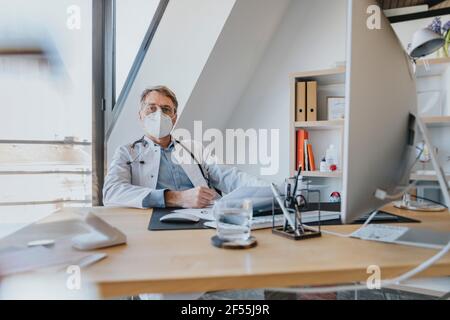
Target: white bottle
331, 157
323, 165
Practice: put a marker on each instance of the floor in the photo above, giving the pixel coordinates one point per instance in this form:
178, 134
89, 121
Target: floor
385, 294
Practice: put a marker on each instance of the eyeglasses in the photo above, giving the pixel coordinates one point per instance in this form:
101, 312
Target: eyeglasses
150, 108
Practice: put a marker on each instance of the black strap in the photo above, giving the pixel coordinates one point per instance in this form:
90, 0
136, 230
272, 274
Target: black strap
200, 167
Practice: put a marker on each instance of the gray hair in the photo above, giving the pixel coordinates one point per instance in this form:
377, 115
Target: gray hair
165, 91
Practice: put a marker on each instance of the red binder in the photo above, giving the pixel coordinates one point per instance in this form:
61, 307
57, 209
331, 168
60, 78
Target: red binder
302, 135
312, 163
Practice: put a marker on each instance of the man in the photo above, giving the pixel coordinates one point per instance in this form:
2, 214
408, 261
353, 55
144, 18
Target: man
148, 173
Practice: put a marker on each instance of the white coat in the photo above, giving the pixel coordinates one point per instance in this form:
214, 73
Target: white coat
129, 181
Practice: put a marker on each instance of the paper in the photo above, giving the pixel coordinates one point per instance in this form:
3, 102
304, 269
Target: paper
204, 214
34, 258
267, 222
377, 233
261, 197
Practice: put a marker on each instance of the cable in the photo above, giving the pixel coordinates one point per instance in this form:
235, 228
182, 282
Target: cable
383, 195
429, 200
406, 276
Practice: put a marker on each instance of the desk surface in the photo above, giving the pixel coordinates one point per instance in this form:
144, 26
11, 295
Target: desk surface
185, 261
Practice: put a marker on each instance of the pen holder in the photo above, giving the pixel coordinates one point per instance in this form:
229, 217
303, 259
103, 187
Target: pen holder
295, 209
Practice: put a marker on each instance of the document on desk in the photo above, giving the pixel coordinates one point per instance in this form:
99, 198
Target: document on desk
262, 197
266, 222
19, 260
204, 214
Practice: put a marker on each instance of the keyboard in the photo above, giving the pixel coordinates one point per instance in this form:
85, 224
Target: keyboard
416, 237
377, 232
307, 217
267, 222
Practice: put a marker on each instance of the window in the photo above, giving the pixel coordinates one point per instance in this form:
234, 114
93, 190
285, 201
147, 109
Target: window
132, 20
46, 108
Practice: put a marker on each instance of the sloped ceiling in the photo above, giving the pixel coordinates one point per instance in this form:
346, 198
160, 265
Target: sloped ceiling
235, 57
433, 4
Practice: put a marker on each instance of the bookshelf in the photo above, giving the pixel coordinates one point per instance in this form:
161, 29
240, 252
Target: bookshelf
322, 133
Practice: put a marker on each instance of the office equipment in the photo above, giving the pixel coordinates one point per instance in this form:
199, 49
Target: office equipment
418, 205
156, 225
300, 105
20, 260
425, 42
204, 214
294, 228
286, 214
179, 218
403, 235
261, 197
312, 162
176, 262
306, 156
375, 158
302, 136
267, 222
101, 235
311, 101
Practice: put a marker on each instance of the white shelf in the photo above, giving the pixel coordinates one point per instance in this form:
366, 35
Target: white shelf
320, 125
437, 67
426, 177
318, 174
441, 121
323, 77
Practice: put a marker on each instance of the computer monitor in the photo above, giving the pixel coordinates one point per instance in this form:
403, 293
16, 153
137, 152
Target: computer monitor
381, 96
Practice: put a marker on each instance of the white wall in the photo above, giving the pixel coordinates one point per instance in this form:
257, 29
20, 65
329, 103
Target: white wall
179, 51
244, 40
312, 36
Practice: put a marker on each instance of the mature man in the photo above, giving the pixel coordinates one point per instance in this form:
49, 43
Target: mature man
148, 173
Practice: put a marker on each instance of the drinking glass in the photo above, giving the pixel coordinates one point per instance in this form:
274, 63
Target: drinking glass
233, 219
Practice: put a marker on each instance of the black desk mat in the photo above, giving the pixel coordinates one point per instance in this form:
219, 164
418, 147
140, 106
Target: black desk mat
156, 225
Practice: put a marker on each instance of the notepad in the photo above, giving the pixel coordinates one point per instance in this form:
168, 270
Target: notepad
14, 260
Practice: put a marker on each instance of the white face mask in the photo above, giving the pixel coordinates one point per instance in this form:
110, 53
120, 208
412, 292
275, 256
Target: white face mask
158, 125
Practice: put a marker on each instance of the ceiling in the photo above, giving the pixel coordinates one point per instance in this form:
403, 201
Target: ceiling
433, 4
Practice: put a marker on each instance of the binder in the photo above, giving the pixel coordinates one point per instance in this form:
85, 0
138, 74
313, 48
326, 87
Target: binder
312, 163
307, 164
300, 104
311, 101
302, 135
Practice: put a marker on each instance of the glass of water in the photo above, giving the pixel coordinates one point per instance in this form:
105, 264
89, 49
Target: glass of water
233, 219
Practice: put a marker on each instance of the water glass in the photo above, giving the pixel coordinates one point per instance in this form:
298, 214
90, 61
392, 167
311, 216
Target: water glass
233, 219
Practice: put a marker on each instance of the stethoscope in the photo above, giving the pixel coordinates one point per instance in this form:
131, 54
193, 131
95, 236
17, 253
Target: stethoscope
142, 162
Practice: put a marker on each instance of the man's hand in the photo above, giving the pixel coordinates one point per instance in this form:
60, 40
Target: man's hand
197, 198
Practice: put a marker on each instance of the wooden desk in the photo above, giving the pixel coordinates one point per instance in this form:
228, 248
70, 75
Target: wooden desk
185, 261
